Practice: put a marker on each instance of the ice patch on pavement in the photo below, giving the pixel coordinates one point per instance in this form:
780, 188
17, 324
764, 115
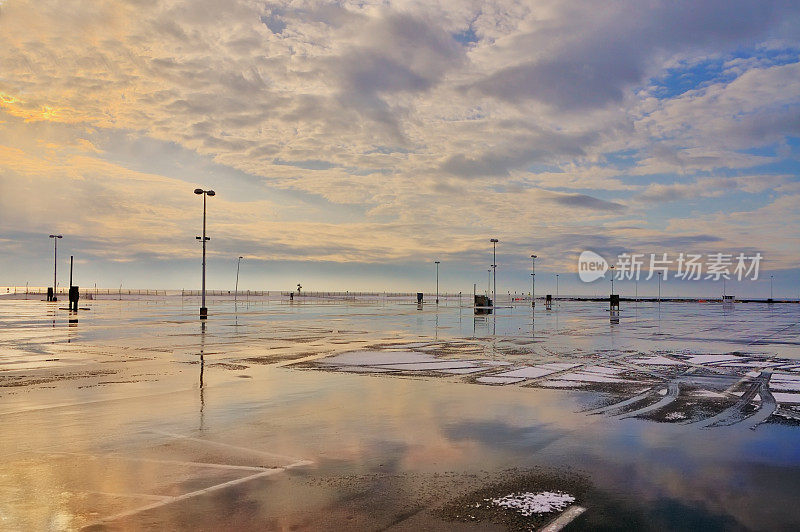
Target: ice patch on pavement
711, 359
656, 360
787, 398
527, 503
371, 358
537, 371
499, 380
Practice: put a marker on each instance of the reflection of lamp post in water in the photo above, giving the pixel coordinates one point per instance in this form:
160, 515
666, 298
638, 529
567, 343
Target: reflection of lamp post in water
659, 288
202, 369
494, 242
203, 309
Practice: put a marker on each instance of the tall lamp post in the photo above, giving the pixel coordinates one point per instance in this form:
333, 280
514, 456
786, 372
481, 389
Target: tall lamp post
437, 281
556, 286
612, 279
533, 280
236, 290
494, 242
771, 277
55, 260
204, 239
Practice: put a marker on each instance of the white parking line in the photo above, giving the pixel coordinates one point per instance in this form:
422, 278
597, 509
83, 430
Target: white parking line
192, 494
226, 445
569, 515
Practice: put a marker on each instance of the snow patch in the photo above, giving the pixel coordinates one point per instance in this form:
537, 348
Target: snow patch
528, 503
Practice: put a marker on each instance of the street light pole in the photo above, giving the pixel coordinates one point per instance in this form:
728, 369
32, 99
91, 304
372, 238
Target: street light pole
437, 281
771, 277
533, 280
612, 279
55, 260
494, 242
203, 309
556, 286
236, 289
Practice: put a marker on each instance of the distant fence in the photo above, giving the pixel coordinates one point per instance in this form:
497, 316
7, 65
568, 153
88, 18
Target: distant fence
350, 295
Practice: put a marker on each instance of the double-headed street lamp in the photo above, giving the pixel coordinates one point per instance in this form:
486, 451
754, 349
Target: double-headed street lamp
437, 281
494, 242
55, 260
533, 280
204, 239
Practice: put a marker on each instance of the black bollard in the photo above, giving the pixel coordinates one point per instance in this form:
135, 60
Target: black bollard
74, 295
419, 298
50, 294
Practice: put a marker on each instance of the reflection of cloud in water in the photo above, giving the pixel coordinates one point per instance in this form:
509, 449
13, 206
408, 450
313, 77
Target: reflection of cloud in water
504, 435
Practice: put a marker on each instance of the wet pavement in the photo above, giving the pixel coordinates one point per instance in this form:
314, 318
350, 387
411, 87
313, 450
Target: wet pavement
372, 415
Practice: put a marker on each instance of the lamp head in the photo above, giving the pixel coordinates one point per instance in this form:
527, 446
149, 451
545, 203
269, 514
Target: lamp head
198, 191
494, 240
211, 192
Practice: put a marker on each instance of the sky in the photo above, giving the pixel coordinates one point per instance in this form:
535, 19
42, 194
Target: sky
352, 144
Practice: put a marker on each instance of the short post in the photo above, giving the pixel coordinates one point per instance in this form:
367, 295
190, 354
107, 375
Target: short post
548, 302
74, 295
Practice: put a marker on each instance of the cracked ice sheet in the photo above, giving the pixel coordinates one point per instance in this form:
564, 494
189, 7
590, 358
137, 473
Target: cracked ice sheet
787, 398
589, 377
425, 366
755, 364
711, 359
372, 358
557, 383
788, 377
462, 371
499, 380
603, 370
362, 369
656, 360
537, 371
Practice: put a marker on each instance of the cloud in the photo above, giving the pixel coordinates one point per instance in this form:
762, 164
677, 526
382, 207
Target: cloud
582, 201
405, 124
